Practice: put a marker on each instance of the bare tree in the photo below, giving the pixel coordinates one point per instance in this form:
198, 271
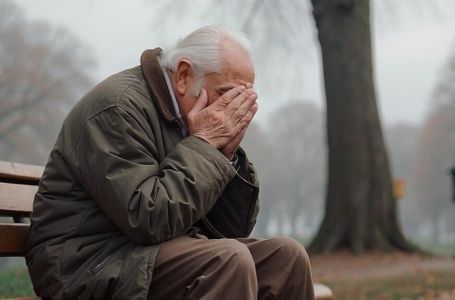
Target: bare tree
360, 210
43, 71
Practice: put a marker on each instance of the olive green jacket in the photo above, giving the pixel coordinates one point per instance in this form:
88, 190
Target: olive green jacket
122, 179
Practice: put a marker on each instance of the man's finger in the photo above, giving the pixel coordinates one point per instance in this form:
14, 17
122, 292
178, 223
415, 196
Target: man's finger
243, 108
247, 84
247, 118
239, 100
227, 97
242, 126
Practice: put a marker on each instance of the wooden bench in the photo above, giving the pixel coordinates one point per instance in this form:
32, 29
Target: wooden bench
18, 185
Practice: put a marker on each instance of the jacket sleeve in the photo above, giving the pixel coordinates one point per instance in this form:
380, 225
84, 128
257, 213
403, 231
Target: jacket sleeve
149, 201
235, 213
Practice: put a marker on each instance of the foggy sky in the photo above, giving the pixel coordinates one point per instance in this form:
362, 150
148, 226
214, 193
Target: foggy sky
408, 57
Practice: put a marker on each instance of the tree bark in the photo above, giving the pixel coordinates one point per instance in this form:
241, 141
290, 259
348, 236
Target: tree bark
360, 212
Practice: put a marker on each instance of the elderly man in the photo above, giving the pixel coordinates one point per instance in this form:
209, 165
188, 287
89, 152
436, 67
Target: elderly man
147, 195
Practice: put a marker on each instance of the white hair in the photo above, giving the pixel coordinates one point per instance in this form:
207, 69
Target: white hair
202, 48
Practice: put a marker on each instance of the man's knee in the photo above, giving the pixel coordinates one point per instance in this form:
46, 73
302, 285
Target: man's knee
235, 256
292, 250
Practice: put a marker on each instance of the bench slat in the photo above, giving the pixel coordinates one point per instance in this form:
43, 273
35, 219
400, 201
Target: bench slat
20, 173
12, 239
16, 199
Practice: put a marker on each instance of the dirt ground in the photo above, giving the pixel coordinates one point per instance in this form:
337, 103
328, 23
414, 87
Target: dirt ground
386, 276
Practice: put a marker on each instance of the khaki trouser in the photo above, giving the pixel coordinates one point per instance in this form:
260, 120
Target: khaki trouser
243, 269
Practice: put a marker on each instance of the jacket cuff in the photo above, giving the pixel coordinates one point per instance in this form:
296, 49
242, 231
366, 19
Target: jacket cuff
210, 153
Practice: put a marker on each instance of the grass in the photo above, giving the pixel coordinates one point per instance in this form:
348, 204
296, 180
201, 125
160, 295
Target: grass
412, 286
15, 282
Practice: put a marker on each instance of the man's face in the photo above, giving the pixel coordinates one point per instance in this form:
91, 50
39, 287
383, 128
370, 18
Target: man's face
236, 69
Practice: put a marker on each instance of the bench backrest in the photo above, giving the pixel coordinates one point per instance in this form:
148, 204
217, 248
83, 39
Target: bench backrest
18, 185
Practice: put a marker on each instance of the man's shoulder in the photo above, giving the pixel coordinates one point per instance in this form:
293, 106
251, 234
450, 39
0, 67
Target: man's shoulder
116, 89
126, 89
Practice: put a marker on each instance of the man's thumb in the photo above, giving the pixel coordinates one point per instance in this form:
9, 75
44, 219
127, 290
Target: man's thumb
201, 102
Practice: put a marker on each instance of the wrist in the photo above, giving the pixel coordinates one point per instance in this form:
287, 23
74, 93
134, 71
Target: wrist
205, 140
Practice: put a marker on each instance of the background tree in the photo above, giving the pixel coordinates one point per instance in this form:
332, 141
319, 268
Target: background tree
402, 139
432, 183
296, 129
43, 71
359, 179
360, 212
291, 185
260, 149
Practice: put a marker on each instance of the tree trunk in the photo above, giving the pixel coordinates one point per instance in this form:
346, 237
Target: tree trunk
360, 212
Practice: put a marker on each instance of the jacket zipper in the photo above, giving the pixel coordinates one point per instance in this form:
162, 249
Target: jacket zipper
96, 268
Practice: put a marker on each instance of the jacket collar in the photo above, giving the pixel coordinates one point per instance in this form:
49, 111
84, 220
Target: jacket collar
157, 83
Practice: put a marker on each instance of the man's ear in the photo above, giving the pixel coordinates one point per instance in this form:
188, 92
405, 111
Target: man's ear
183, 76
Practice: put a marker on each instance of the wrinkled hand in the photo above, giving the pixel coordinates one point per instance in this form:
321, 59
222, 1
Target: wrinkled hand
225, 120
231, 147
